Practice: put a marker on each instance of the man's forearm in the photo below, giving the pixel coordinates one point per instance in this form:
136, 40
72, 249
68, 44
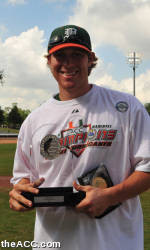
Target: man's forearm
135, 184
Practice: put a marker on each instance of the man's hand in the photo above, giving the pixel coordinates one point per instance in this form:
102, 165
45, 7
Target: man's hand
15, 194
95, 202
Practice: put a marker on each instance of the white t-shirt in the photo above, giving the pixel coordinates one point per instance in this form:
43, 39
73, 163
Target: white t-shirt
101, 126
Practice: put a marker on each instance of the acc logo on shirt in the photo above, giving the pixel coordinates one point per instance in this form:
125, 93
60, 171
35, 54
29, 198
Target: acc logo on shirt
50, 147
122, 106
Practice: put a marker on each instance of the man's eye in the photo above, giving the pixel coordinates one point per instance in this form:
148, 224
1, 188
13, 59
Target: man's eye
58, 55
78, 54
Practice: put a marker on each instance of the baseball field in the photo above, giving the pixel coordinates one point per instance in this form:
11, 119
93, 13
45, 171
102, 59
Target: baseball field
18, 227
14, 227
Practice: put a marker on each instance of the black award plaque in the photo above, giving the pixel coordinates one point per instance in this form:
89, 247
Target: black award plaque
98, 177
67, 196
54, 197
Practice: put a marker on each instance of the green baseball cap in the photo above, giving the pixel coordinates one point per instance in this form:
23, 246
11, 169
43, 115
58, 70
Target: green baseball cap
69, 36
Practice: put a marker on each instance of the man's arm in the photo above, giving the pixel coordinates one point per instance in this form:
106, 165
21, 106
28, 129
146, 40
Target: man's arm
15, 194
98, 200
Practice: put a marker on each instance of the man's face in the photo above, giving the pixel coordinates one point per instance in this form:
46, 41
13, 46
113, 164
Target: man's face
69, 66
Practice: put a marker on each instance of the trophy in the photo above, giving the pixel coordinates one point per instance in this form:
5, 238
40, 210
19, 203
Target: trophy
50, 148
67, 196
98, 177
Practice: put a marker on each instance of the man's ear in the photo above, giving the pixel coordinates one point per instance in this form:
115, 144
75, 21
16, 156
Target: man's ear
48, 59
91, 56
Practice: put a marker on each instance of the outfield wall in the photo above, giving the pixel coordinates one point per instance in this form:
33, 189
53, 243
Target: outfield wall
8, 135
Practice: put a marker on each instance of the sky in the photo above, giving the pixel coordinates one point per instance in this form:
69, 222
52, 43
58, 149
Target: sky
116, 27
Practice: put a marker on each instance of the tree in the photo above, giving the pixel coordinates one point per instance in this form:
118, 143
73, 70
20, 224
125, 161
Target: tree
2, 77
24, 113
147, 106
2, 117
14, 118
6, 112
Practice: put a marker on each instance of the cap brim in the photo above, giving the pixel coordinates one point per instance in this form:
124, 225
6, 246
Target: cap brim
65, 45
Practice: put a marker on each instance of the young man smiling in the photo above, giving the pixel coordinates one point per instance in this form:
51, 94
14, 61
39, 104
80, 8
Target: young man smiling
92, 125
70, 66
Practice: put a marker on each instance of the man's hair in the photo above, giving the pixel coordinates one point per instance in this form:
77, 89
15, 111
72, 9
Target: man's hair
94, 63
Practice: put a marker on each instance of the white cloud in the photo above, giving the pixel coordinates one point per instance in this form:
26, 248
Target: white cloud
14, 2
120, 23
28, 80
101, 78
26, 98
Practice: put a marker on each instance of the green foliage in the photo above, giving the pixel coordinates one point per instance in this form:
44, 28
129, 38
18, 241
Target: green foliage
147, 106
2, 75
13, 116
24, 113
2, 117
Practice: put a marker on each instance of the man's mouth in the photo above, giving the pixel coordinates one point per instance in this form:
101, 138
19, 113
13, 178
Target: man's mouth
69, 74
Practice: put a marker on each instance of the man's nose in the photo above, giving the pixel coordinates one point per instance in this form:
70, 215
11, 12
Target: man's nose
68, 60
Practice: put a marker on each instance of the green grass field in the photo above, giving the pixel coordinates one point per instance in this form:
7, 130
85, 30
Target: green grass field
7, 152
8, 130
16, 226
145, 200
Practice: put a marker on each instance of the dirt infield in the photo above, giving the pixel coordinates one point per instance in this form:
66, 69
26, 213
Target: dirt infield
8, 140
5, 181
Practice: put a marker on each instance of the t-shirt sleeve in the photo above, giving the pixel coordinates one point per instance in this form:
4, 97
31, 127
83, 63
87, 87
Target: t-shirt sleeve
23, 166
140, 138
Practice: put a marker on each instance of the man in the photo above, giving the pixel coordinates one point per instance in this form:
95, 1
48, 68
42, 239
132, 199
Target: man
93, 125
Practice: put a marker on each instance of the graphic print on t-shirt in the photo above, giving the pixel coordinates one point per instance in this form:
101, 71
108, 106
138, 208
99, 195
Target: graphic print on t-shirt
78, 138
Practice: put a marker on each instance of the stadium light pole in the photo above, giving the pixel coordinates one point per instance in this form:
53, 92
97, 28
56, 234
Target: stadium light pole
134, 60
